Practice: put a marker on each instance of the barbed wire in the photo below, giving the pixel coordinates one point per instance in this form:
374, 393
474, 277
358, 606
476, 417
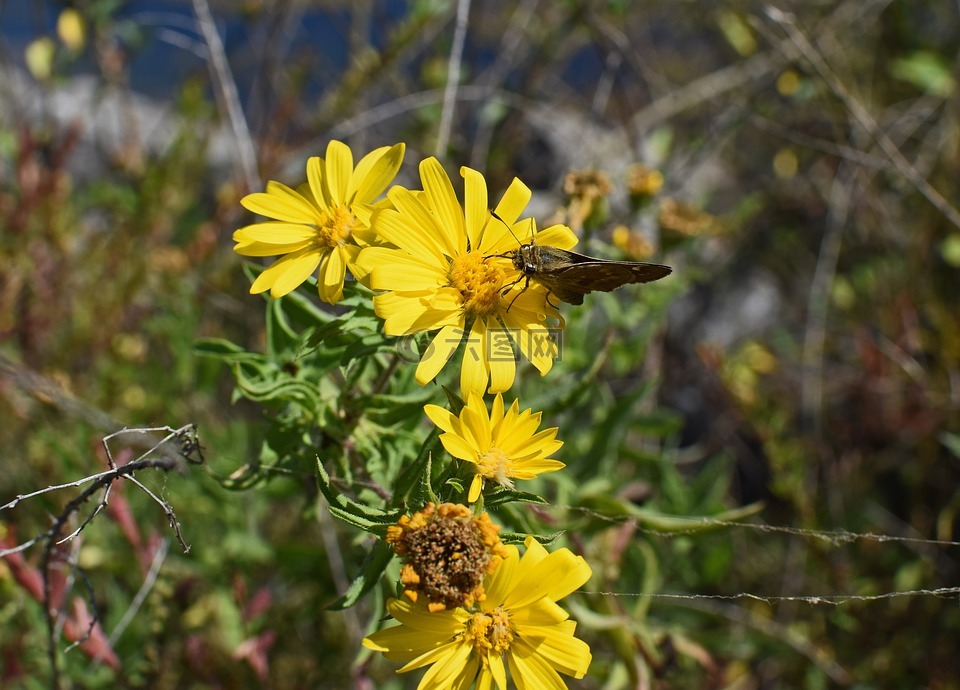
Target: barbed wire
827, 599
836, 537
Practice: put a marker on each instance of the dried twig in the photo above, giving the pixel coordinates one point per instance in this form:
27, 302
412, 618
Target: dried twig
226, 89
752, 70
149, 581
507, 57
862, 116
161, 456
453, 76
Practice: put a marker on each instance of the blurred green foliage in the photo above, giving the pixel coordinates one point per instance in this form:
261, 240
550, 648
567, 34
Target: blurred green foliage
121, 304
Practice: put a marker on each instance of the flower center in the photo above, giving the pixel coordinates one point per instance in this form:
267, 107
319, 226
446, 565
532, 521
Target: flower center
446, 553
478, 281
489, 632
334, 227
496, 465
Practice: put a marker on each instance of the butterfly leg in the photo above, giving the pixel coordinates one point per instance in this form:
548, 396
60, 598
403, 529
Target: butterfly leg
507, 289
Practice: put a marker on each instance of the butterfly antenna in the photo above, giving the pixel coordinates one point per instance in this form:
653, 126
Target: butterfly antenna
510, 255
507, 226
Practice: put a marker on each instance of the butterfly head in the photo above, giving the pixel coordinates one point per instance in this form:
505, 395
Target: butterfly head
527, 259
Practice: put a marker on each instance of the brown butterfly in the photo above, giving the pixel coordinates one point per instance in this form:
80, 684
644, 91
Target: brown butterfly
570, 276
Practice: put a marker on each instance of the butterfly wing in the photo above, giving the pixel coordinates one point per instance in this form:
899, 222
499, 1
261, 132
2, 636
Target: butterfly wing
570, 275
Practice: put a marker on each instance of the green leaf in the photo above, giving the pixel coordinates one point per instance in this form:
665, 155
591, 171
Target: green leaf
300, 308
391, 410
660, 423
279, 386
410, 476
518, 538
500, 498
372, 520
224, 350
281, 337
673, 523
927, 71
456, 402
952, 442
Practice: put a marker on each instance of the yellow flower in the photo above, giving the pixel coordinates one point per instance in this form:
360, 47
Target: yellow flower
643, 182
446, 271
503, 445
316, 224
446, 551
518, 627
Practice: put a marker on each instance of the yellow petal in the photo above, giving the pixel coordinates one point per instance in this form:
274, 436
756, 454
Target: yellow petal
438, 353
272, 232
513, 201
531, 671
315, 170
262, 249
473, 371
543, 443
285, 274
419, 617
541, 613
489, 674
350, 252
518, 429
374, 173
442, 200
448, 663
475, 486
447, 299
441, 417
499, 584
282, 203
411, 313
475, 423
439, 655
504, 239
339, 168
406, 232
503, 365
524, 470
459, 447
332, 272
557, 646
403, 643
535, 552
533, 340
496, 421
472, 670
554, 577
559, 236
476, 208
397, 270
364, 215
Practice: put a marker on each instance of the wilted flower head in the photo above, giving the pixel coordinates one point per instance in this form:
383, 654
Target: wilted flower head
446, 553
